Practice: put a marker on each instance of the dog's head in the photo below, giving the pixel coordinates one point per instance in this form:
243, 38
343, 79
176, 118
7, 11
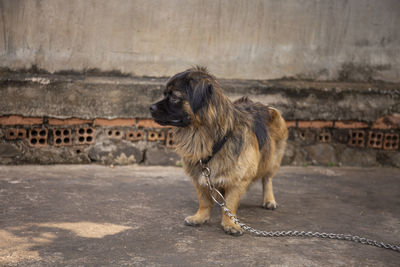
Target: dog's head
186, 95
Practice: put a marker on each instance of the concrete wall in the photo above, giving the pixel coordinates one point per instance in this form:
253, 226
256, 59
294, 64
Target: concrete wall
334, 40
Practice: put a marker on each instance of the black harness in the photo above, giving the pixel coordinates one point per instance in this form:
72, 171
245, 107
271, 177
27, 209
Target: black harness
216, 147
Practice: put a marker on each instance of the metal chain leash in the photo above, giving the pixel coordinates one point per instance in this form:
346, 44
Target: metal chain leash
219, 199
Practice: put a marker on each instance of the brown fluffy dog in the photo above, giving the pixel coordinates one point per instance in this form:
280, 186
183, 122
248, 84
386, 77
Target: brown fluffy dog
242, 141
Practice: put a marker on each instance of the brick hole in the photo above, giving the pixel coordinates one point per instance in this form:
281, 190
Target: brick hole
66, 140
155, 136
58, 141
110, 133
13, 134
391, 141
357, 138
38, 137
375, 139
134, 135
66, 132
78, 151
170, 143
324, 136
58, 133
86, 136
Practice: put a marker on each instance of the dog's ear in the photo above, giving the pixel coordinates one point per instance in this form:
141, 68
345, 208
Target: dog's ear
199, 93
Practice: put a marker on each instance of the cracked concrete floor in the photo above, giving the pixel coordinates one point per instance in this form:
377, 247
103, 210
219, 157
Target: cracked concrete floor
79, 215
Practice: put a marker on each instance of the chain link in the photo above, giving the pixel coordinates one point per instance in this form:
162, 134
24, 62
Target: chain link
221, 202
345, 237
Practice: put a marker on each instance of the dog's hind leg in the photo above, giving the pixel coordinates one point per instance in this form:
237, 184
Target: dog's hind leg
268, 193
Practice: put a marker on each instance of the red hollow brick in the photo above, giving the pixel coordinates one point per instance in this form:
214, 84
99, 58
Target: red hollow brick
356, 138
155, 136
72, 121
38, 137
14, 134
149, 123
84, 136
19, 120
391, 141
170, 141
315, 124
350, 125
114, 133
387, 122
324, 137
134, 135
375, 139
62, 137
114, 122
291, 124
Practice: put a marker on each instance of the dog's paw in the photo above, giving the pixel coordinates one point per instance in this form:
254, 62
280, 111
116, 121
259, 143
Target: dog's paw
234, 229
270, 205
194, 221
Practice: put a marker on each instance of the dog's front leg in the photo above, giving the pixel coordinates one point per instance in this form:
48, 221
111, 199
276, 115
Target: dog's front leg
232, 198
205, 205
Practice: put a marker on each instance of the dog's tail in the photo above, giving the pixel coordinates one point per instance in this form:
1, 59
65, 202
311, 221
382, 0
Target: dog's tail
278, 123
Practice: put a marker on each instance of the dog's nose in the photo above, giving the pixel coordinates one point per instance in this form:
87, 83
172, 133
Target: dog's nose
153, 108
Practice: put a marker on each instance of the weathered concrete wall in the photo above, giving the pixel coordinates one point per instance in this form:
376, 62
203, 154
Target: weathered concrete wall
308, 39
83, 119
90, 97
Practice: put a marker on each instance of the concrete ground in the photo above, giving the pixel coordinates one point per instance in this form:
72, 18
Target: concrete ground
89, 215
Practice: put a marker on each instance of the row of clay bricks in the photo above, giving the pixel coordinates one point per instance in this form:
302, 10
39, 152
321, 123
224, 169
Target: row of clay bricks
38, 137
383, 123
141, 135
354, 138
376, 139
13, 120
84, 136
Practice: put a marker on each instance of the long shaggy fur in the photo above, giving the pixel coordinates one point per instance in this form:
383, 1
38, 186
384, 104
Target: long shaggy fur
256, 139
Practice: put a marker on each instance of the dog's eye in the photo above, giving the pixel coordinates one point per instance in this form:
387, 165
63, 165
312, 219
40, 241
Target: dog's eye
174, 99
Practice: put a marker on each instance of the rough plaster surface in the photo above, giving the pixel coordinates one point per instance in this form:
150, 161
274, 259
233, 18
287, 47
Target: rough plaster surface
74, 96
345, 40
